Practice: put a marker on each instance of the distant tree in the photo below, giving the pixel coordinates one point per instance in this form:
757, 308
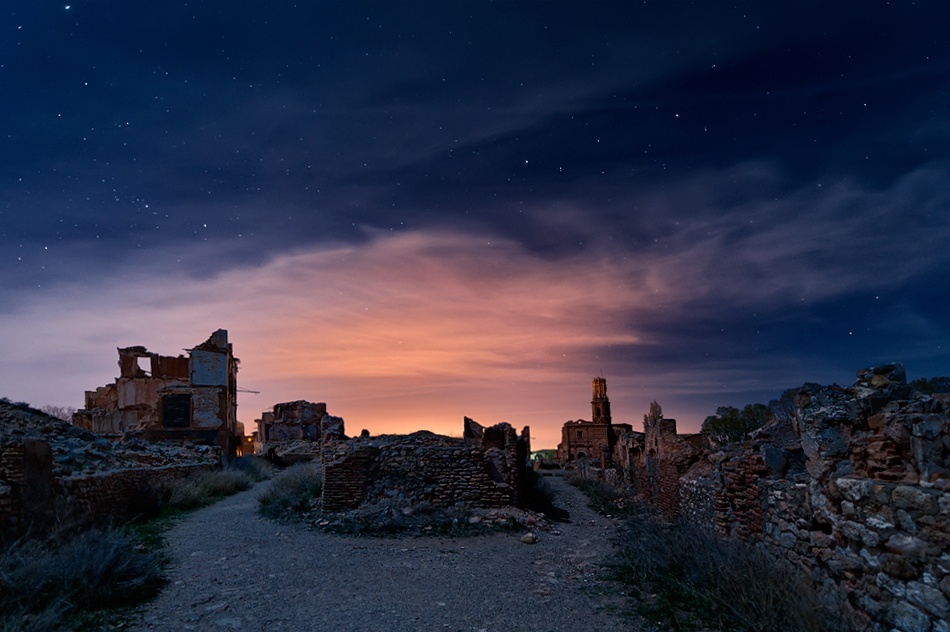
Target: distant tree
655, 414
60, 412
932, 385
730, 424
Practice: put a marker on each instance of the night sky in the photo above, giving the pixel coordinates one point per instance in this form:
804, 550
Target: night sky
418, 211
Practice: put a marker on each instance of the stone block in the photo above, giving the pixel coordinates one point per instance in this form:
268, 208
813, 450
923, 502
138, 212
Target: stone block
907, 618
915, 498
929, 599
852, 489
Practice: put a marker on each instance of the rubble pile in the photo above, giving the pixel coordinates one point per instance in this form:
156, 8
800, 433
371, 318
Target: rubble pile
78, 451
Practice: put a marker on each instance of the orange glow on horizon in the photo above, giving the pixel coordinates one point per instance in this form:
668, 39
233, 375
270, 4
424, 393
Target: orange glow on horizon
403, 332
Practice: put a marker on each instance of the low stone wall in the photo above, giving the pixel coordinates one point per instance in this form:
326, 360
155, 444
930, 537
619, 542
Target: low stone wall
424, 468
121, 495
33, 496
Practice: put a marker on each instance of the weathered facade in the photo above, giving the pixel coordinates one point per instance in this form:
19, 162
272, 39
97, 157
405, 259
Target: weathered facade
184, 398
853, 487
596, 438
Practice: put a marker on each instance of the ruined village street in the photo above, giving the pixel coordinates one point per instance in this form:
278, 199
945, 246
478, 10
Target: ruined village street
233, 570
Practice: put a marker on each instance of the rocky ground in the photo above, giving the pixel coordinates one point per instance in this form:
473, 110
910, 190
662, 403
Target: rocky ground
233, 570
78, 452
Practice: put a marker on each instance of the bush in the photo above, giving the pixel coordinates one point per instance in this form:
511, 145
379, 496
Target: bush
730, 425
292, 491
692, 579
43, 583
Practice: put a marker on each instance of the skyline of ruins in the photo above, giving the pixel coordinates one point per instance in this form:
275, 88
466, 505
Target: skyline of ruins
421, 212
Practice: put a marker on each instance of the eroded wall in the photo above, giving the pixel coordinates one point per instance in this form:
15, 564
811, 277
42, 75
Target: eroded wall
854, 488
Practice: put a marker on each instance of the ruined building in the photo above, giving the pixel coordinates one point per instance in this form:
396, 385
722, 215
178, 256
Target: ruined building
596, 438
296, 431
852, 486
159, 398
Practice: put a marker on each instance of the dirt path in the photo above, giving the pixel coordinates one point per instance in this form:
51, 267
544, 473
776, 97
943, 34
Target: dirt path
232, 569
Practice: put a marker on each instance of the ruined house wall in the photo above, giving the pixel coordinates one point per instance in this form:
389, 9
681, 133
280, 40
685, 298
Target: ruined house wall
855, 490
190, 398
426, 468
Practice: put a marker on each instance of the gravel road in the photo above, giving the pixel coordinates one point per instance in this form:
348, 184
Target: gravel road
233, 570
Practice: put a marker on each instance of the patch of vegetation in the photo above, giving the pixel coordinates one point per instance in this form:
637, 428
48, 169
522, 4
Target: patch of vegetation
601, 497
68, 580
292, 492
932, 385
203, 489
83, 577
689, 579
258, 468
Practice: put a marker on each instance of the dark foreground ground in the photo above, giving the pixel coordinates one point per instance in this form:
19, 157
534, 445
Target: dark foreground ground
233, 570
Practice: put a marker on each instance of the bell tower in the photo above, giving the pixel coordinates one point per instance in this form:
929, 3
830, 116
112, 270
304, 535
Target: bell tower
599, 404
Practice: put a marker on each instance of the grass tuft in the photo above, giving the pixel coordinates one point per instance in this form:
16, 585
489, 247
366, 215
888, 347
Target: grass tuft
203, 489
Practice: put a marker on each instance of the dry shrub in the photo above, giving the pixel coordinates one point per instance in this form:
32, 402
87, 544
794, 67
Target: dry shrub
689, 578
46, 583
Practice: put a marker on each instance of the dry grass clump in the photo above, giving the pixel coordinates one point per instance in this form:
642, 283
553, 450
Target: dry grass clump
60, 582
292, 492
691, 579
203, 489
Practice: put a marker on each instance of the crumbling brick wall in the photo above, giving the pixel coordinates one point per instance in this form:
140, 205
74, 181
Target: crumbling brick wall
487, 469
854, 489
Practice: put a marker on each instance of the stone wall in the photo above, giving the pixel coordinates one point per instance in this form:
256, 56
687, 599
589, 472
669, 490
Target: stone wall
487, 469
854, 488
33, 494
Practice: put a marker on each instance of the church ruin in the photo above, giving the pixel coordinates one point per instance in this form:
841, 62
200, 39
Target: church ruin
596, 438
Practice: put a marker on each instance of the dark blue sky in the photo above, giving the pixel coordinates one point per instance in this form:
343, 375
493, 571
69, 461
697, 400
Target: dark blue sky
762, 187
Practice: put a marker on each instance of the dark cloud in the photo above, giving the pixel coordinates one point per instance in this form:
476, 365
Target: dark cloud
771, 175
